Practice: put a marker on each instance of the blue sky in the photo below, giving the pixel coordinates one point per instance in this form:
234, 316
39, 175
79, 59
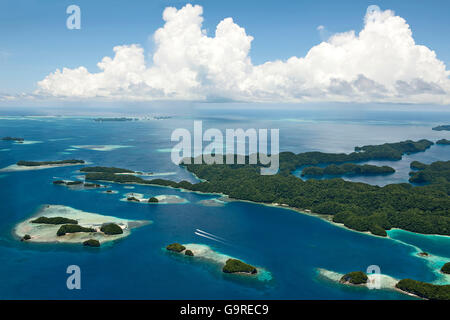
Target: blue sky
35, 40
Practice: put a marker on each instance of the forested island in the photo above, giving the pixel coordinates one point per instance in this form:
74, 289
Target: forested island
443, 142
56, 223
54, 220
176, 247
289, 161
442, 128
106, 170
425, 290
113, 119
346, 169
13, 139
359, 206
437, 173
48, 163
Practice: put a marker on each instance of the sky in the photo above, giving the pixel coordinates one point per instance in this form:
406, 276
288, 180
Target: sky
269, 51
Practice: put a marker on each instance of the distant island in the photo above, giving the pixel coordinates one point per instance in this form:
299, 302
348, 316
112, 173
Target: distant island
393, 151
23, 165
113, 119
237, 266
78, 184
346, 169
443, 141
57, 223
114, 170
356, 277
13, 139
121, 119
371, 208
442, 128
106, 169
48, 163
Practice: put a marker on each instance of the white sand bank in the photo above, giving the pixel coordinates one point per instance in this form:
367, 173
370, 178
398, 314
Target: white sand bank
47, 232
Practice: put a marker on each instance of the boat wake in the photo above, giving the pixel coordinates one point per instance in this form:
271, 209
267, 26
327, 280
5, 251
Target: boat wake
211, 236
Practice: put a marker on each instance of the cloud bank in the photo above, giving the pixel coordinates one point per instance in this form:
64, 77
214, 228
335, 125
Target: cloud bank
382, 63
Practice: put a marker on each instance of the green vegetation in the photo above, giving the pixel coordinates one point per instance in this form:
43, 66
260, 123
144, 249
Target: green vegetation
54, 220
176, 247
377, 230
356, 277
399, 148
189, 253
359, 206
347, 169
106, 169
425, 290
12, 139
442, 128
111, 228
417, 165
74, 183
133, 199
235, 265
437, 173
388, 151
122, 178
25, 237
443, 141
43, 163
446, 268
91, 243
153, 200
92, 185
72, 228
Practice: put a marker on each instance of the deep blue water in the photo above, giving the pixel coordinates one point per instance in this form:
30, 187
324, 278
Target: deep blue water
288, 244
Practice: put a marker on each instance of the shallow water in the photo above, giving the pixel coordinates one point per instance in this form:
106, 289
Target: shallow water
290, 245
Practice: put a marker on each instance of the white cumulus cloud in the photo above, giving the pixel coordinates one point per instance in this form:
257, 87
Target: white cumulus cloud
380, 63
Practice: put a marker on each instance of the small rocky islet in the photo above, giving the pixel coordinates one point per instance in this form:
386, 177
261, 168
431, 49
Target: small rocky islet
231, 265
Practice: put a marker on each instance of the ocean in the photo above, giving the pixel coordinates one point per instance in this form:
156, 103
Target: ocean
290, 245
